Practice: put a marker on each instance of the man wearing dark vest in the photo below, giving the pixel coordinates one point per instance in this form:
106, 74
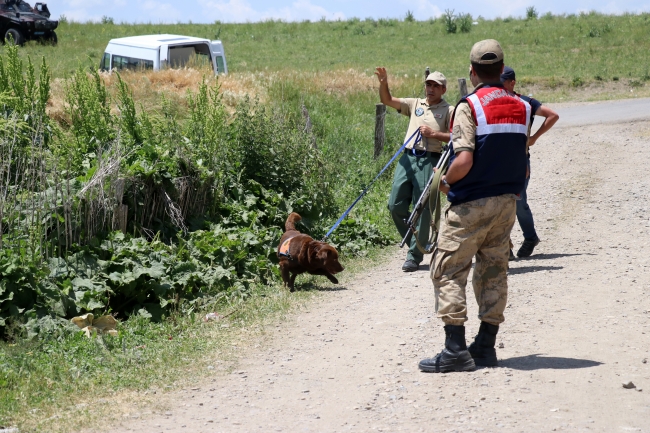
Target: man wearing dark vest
487, 169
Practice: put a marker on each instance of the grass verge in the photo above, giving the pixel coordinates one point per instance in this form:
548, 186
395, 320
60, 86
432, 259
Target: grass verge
71, 382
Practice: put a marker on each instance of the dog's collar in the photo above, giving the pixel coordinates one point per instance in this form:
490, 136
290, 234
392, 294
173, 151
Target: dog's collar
284, 249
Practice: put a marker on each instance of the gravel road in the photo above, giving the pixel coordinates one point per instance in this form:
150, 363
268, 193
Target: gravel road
577, 322
594, 113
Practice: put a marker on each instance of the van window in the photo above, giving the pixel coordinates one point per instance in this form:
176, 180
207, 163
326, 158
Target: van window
105, 65
220, 66
197, 55
122, 62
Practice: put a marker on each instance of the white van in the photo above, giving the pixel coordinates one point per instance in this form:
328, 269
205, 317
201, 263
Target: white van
162, 51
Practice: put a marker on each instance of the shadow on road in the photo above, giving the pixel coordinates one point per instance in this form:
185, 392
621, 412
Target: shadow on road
537, 362
526, 269
553, 256
530, 268
306, 287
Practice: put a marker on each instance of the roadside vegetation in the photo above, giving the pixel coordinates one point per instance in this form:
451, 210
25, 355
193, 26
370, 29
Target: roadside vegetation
159, 197
155, 214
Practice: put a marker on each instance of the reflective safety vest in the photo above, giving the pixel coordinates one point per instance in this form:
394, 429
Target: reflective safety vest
283, 250
499, 167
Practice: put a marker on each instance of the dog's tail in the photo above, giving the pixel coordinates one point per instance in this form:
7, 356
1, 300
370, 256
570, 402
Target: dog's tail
291, 222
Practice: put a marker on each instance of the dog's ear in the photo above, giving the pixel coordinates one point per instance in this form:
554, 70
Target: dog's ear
323, 254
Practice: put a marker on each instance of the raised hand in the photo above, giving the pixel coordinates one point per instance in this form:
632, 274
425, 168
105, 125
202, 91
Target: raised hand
381, 74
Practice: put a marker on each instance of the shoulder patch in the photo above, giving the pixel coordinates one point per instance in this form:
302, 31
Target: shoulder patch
419, 111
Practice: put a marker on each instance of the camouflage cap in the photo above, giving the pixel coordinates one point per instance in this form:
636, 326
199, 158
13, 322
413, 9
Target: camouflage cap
438, 77
486, 52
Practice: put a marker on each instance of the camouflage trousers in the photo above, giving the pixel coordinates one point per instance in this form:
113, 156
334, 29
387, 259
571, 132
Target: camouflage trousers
478, 228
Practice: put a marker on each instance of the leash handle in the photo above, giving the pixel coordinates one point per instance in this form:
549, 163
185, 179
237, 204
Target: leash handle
418, 138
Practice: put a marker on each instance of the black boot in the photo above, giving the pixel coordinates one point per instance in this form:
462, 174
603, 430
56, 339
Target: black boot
482, 349
527, 247
454, 357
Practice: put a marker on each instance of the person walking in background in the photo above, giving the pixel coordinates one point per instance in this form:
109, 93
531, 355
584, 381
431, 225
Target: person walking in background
431, 115
524, 214
487, 169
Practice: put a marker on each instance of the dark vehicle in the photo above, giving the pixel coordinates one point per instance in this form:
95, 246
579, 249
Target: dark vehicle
20, 22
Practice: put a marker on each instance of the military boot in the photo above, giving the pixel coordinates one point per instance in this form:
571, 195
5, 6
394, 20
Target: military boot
482, 349
454, 357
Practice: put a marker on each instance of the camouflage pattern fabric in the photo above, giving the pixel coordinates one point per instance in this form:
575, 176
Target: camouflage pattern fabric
478, 228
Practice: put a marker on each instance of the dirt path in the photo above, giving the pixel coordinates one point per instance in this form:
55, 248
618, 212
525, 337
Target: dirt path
577, 326
581, 114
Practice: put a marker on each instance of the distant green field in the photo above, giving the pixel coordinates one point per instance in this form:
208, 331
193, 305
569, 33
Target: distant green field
568, 47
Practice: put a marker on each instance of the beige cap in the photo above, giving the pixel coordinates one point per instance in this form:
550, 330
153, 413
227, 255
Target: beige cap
438, 77
486, 52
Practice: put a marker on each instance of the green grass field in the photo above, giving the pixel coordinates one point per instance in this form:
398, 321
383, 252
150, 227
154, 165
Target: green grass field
328, 67
584, 46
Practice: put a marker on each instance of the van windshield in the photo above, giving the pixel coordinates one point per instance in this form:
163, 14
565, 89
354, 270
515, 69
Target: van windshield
105, 64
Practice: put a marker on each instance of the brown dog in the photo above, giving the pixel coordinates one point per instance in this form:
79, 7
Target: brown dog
299, 253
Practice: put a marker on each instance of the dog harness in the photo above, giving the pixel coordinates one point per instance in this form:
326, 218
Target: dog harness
283, 251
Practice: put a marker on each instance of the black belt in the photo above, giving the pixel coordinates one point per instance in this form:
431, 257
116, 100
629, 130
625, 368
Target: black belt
421, 154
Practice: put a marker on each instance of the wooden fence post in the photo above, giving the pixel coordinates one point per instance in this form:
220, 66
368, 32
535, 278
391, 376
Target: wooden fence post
462, 84
380, 129
121, 211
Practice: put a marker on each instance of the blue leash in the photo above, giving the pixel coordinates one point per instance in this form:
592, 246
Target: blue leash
418, 138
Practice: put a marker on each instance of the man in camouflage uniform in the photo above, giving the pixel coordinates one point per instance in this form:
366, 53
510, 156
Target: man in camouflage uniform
431, 116
487, 169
